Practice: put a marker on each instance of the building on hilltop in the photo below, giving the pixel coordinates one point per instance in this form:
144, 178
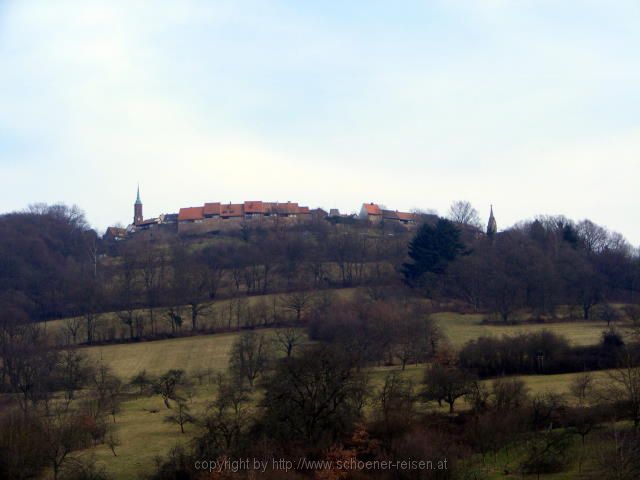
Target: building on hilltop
492, 225
404, 218
212, 217
373, 213
114, 234
139, 222
319, 214
370, 212
137, 209
168, 219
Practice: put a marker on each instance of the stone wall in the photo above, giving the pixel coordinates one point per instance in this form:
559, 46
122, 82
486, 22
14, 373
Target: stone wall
217, 224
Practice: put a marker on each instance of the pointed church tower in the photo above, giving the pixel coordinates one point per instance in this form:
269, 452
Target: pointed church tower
137, 209
492, 226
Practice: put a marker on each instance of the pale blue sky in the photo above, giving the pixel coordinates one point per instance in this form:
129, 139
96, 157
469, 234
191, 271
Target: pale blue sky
533, 106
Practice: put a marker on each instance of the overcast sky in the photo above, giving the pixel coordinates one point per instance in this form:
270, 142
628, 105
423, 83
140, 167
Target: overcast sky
533, 106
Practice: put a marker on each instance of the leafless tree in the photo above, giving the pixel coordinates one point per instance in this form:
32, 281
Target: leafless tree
74, 372
150, 261
113, 440
167, 386
72, 327
582, 387
396, 404
250, 356
593, 237
127, 291
288, 338
581, 419
624, 385
461, 211
180, 416
62, 434
446, 384
297, 302
508, 394
607, 313
414, 338
215, 271
174, 318
633, 313
228, 416
190, 281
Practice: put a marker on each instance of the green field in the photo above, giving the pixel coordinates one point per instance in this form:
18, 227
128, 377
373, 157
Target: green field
187, 353
144, 435
210, 351
460, 328
140, 424
214, 318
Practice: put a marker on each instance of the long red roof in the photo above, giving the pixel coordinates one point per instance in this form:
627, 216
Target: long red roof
372, 209
191, 213
240, 209
211, 209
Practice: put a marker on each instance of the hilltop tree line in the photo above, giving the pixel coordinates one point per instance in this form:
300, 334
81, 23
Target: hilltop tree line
53, 265
535, 266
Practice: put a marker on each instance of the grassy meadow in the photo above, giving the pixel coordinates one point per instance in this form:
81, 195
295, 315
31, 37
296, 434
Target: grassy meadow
144, 434
461, 328
140, 425
186, 353
211, 351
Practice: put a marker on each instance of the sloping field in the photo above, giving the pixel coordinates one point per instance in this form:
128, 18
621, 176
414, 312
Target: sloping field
143, 433
188, 353
211, 351
219, 315
459, 329
537, 384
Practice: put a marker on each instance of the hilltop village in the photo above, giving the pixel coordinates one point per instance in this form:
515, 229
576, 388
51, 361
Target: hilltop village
215, 217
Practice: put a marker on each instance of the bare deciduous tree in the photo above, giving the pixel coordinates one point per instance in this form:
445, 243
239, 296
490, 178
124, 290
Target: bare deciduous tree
288, 338
180, 416
446, 384
72, 327
624, 385
461, 211
297, 302
250, 356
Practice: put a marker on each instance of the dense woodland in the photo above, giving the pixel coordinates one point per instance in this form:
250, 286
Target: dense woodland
55, 266
287, 397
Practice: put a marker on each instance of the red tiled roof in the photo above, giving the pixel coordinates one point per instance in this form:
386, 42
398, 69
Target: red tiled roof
211, 209
239, 209
253, 207
395, 215
288, 208
406, 216
231, 210
191, 213
372, 209
269, 207
116, 231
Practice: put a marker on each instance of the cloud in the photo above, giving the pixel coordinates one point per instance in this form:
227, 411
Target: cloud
522, 104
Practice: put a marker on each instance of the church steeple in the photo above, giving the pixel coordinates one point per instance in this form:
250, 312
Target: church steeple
492, 226
137, 209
